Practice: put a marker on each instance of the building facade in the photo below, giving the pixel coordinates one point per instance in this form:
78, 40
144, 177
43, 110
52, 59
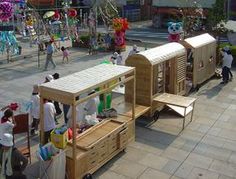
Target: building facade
232, 9
135, 10
165, 11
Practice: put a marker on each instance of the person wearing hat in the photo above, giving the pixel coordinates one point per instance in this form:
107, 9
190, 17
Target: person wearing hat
48, 78
226, 66
50, 50
34, 110
134, 50
12, 162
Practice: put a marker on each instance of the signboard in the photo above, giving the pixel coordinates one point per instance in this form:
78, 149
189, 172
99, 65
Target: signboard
182, 3
41, 2
121, 2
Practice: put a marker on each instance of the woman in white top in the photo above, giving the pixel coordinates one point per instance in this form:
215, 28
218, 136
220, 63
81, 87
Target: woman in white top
34, 111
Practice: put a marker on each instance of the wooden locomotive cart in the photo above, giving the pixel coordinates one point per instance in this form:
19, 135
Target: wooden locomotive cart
201, 58
159, 70
88, 151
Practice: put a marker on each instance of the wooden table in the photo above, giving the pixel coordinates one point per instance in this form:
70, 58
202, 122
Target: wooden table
178, 103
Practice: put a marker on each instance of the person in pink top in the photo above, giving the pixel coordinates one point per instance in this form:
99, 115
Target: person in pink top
65, 54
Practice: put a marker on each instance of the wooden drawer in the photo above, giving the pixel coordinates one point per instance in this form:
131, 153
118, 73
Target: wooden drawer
92, 154
102, 155
102, 150
123, 138
92, 163
112, 148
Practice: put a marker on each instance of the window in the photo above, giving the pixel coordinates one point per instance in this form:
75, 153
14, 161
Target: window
211, 59
201, 64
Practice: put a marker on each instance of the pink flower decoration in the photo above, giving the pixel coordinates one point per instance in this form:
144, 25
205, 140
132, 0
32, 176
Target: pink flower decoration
6, 11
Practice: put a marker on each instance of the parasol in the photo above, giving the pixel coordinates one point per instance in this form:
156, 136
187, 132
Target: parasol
56, 22
48, 14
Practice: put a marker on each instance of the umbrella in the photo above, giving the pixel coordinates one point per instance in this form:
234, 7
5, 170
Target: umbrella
56, 22
48, 14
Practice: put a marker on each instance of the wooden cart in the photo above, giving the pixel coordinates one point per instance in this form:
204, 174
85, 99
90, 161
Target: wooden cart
158, 70
88, 151
201, 58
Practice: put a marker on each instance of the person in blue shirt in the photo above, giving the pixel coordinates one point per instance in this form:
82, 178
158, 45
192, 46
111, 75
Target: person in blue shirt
107, 39
50, 50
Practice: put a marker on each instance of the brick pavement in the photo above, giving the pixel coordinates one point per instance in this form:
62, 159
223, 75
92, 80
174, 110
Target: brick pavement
205, 149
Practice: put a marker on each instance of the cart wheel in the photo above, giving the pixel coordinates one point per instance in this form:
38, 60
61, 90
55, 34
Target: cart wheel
87, 176
156, 115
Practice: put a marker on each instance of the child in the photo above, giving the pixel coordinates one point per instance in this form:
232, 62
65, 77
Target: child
65, 54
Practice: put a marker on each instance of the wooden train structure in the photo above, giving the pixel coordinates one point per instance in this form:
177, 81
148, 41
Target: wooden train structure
164, 74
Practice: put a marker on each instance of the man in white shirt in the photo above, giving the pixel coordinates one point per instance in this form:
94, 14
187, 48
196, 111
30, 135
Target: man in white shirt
227, 62
49, 122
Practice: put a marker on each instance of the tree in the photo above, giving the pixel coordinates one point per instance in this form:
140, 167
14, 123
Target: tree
191, 12
107, 10
216, 16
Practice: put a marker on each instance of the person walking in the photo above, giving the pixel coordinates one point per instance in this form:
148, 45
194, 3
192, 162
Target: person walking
227, 62
34, 111
50, 50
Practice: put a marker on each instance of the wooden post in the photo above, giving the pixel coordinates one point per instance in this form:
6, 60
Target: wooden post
74, 139
134, 96
184, 118
192, 112
41, 120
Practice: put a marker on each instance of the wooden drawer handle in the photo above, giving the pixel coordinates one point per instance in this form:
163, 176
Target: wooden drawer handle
93, 162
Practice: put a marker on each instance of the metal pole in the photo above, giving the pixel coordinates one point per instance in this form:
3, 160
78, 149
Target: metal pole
38, 39
228, 9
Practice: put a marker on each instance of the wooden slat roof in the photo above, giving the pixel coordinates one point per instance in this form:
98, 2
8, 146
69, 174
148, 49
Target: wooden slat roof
162, 53
84, 80
200, 40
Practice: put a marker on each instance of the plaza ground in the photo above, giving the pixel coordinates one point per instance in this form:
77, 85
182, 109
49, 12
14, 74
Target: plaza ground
205, 149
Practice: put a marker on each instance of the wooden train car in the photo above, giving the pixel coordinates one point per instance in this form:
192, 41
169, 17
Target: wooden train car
201, 62
158, 70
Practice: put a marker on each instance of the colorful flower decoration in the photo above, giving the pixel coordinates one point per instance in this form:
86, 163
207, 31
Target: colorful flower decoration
6, 11
8, 40
120, 25
57, 16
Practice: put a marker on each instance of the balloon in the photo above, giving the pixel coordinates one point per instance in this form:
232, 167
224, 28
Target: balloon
72, 13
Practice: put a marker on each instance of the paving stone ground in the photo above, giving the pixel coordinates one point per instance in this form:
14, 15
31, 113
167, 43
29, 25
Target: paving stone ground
206, 149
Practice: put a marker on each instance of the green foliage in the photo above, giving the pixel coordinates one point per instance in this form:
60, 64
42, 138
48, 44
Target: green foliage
217, 14
84, 38
232, 48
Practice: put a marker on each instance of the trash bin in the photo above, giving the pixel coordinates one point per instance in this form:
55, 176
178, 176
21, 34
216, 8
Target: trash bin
55, 168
